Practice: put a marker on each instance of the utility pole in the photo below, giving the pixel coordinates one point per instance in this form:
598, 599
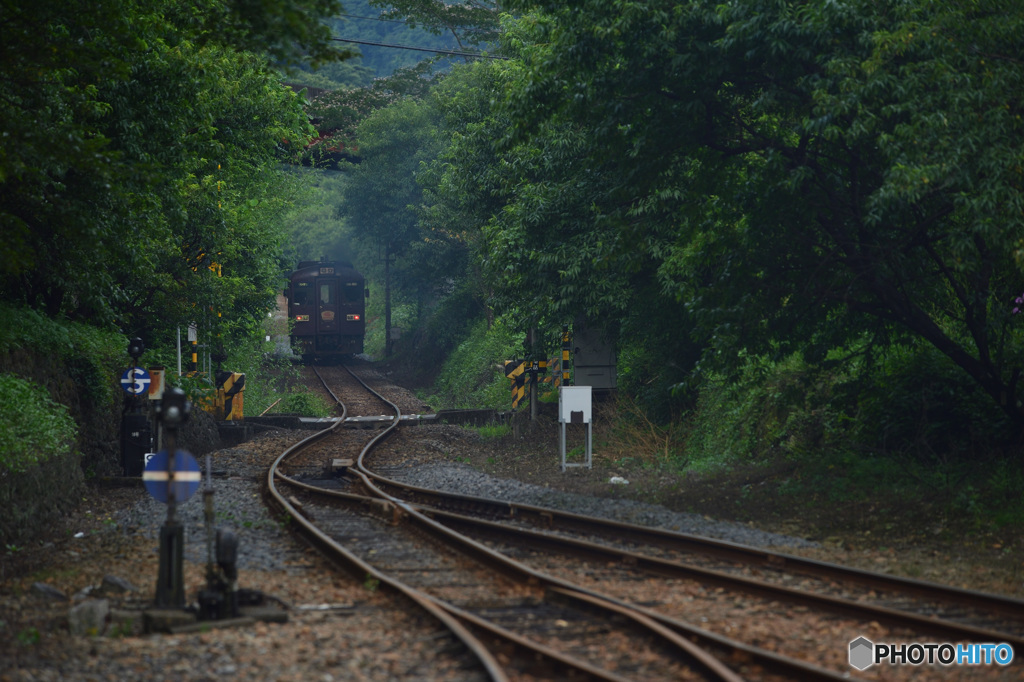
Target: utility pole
534, 405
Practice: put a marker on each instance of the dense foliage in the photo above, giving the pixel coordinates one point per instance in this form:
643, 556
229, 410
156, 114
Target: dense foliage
797, 219
53, 373
798, 177
35, 427
138, 179
742, 185
472, 376
90, 354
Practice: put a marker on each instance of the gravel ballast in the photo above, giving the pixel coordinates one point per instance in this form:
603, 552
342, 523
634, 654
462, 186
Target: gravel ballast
239, 507
463, 479
339, 628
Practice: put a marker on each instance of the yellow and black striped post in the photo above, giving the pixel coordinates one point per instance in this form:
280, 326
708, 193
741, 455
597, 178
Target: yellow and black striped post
193, 337
227, 403
566, 347
539, 367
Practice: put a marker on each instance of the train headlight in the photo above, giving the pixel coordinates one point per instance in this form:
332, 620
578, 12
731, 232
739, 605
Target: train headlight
352, 318
302, 318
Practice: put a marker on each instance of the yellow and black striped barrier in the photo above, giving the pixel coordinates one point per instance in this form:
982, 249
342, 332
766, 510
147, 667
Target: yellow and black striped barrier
232, 389
560, 368
227, 403
515, 370
518, 370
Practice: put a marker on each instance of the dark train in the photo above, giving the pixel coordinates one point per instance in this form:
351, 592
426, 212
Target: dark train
327, 309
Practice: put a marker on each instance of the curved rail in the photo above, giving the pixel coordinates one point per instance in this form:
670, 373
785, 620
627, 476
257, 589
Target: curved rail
356, 565
675, 633
704, 659
413, 496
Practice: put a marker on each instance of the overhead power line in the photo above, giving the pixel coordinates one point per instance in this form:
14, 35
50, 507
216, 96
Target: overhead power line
390, 21
453, 53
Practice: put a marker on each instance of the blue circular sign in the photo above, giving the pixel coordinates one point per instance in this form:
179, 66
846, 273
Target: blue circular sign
157, 476
135, 381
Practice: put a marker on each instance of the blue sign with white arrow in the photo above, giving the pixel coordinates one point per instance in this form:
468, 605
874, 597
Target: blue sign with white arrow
135, 381
157, 476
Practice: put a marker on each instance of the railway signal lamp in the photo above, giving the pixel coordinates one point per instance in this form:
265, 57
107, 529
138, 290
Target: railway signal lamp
174, 408
136, 348
170, 588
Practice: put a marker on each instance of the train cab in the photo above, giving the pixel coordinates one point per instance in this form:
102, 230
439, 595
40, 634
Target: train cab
327, 309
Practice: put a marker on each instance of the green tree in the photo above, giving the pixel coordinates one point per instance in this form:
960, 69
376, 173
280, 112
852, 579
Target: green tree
313, 227
140, 147
338, 113
802, 175
461, 183
225, 194
539, 252
382, 188
286, 31
381, 193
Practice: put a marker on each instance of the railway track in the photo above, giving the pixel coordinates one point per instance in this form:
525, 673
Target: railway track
935, 609
573, 596
541, 633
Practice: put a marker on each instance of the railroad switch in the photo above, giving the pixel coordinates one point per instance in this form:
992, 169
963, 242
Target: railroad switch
386, 508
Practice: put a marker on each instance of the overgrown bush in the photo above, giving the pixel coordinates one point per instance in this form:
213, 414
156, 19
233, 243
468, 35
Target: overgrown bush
271, 380
269, 377
917, 403
432, 335
33, 428
90, 354
790, 408
305, 404
474, 376
637, 437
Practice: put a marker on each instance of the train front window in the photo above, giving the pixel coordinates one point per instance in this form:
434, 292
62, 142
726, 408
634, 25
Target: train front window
325, 294
300, 296
351, 292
